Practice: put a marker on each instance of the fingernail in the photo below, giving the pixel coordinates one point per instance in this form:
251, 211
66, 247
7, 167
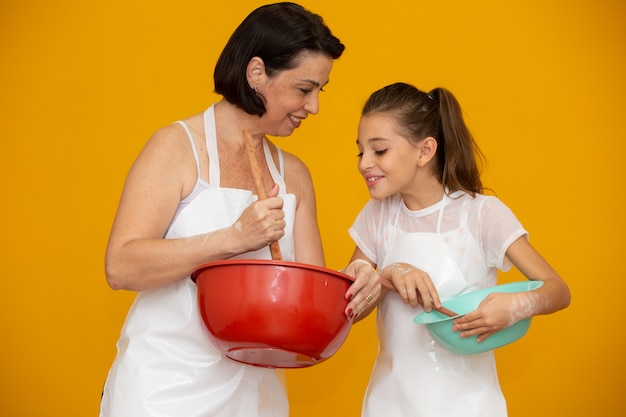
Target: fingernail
349, 313
349, 297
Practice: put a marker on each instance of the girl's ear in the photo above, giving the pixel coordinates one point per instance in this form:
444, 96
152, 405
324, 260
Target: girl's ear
255, 71
427, 149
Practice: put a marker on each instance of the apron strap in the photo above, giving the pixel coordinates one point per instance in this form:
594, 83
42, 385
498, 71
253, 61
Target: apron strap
277, 176
443, 203
211, 146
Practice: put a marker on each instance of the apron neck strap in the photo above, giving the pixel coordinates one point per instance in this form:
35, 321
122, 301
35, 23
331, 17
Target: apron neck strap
443, 203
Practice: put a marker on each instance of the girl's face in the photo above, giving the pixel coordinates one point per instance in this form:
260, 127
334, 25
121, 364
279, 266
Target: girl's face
291, 95
388, 161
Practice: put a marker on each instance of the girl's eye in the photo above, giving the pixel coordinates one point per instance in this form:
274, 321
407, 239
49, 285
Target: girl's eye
377, 153
305, 91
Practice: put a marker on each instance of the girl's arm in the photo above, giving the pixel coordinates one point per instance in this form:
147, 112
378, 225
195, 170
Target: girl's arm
414, 286
501, 310
554, 294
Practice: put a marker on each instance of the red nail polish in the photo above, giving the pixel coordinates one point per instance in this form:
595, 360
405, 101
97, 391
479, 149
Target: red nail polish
349, 297
349, 313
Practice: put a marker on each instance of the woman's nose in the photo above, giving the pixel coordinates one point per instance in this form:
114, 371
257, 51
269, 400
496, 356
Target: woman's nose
312, 105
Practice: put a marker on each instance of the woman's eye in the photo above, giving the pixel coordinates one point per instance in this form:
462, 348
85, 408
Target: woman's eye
306, 91
360, 155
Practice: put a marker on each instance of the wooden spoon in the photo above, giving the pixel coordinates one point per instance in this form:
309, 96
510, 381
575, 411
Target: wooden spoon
446, 311
258, 181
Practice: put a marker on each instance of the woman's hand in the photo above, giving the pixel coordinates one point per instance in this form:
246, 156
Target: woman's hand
363, 294
496, 312
261, 223
414, 285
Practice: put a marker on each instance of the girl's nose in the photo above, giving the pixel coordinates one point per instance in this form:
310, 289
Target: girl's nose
364, 163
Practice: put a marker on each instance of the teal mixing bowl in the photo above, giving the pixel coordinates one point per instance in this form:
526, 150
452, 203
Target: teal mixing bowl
440, 326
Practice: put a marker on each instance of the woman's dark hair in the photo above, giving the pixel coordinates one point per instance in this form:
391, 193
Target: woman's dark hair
278, 34
436, 114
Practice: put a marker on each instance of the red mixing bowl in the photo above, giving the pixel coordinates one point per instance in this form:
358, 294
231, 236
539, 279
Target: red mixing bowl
273, 314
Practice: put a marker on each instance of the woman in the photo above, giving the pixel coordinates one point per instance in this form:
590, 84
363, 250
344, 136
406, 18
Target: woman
189, 199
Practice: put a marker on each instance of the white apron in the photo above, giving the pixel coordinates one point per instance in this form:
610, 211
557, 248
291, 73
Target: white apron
414, 376
166, 365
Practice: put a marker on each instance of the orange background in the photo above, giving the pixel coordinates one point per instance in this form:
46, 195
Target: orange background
84, 84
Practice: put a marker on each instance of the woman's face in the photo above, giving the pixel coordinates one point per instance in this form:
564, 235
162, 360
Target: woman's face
292, 95
387, 160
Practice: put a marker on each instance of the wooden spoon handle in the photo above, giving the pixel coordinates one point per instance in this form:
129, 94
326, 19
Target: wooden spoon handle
445, 311
258, 182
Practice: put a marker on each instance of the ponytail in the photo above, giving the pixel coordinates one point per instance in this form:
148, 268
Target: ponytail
461, 159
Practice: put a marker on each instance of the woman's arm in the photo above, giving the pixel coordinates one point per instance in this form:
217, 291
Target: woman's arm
366, 291
137, 256
307, 239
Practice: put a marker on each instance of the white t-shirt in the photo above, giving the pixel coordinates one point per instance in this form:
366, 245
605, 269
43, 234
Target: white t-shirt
484, 219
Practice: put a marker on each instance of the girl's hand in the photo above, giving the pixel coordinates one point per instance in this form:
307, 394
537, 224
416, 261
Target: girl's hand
261, 223
496, 312
414, 285
363, 294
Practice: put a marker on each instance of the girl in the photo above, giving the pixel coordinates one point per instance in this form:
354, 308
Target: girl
432, 233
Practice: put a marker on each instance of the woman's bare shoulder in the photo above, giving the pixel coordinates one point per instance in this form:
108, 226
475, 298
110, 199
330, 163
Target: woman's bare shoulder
297, 173
173, 140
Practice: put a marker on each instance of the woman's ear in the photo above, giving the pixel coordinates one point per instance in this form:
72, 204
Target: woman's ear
255, 71
428, 149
